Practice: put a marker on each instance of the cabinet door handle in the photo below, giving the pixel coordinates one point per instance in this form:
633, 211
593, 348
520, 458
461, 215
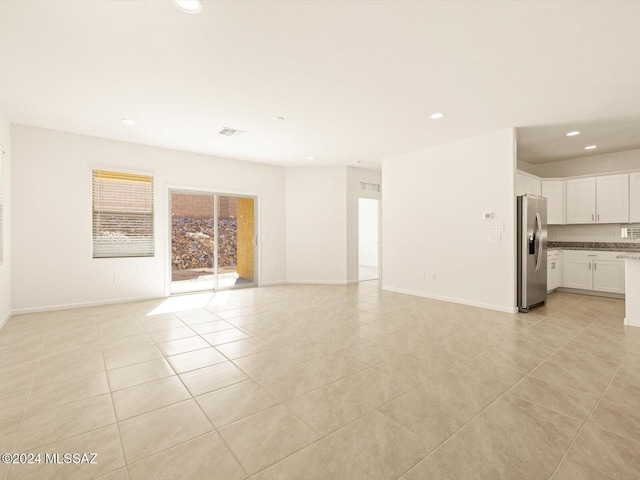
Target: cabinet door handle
589, 265
598, 217
592, 217
595, 266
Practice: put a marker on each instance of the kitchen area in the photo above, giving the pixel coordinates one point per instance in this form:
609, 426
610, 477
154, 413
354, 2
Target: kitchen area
593, 234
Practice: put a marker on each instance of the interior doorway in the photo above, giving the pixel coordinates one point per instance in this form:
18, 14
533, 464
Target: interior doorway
212, 241
368, 239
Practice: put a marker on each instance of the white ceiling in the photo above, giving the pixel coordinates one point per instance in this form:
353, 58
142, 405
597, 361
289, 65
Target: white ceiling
355, 80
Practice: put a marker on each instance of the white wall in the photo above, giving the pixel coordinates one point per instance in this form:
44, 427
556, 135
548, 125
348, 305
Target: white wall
432, 221
612, 162
5, 268
354, 192
316, 225
52, 264
368, 231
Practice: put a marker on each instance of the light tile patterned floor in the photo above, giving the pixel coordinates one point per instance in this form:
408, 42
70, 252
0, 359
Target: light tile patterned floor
323, 382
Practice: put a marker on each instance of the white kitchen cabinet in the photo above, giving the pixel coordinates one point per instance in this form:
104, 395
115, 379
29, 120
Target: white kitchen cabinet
527, 184
554, 269
555, 191
608, 276
603, 199
576, 270
534, 186
581, 200
634, 197
589, 270
612, 198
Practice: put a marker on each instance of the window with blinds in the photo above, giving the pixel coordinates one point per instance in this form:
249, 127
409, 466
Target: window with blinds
122, 215
1, 207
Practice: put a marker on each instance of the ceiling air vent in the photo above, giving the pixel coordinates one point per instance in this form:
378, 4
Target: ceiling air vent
230, 132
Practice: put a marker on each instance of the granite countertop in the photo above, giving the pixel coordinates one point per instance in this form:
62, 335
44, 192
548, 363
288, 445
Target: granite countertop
629, 256
597, 246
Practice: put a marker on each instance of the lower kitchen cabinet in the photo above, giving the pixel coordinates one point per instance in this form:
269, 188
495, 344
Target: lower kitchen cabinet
590, 270
554, 269
577, 270
608, 276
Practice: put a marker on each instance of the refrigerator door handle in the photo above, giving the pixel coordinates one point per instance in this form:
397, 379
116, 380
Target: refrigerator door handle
539, 239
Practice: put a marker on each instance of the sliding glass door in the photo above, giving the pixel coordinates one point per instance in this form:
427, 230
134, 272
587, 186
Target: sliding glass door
212, 241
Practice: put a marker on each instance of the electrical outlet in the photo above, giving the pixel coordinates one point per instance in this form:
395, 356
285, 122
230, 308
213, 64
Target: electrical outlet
434, 276
116, 278
422, 275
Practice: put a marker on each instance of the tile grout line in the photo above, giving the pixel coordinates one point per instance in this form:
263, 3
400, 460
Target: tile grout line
490, 403
590, 414
575, 437
215, 429
24, 410
322, 437
115, 416
366, 367
164, 357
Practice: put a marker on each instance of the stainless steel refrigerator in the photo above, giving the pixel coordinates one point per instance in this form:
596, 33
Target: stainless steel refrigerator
532, 252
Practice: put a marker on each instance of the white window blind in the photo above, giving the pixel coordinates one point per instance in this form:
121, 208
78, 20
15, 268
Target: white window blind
122, 215
1, 207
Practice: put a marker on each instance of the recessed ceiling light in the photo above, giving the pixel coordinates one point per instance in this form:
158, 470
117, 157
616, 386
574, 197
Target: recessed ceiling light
573, 134
590, 147
436, 116
358, 162
128, 121
189, 6
278, 118
311, 158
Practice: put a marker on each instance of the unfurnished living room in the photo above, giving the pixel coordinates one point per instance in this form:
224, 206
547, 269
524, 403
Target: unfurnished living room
296, 240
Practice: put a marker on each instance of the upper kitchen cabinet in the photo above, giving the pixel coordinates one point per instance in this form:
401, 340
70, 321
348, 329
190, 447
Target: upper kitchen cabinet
612, 198
581, 200
603, 199
634, 197
527, 184
555, 191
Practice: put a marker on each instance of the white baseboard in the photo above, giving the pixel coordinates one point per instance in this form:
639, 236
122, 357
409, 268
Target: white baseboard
461, 301
5, 319
593, 293
271, 284
69, 306
632, 322
318, 282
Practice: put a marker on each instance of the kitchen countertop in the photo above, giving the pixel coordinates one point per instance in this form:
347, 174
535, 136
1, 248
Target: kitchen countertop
629, 256
596, 246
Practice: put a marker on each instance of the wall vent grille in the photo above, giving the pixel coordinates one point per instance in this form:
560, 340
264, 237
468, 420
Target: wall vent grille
631, 232
370, 187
